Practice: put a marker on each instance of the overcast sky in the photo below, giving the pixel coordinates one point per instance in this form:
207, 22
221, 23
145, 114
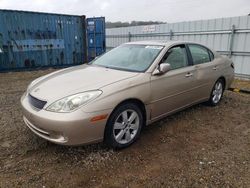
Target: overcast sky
143, 10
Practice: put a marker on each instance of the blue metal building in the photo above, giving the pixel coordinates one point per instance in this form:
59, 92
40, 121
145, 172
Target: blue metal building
30, 39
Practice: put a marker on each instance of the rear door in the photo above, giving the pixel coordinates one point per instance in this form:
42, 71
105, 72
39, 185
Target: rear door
206, 68
175, 89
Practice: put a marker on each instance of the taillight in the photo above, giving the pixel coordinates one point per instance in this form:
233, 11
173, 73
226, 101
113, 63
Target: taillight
232, 65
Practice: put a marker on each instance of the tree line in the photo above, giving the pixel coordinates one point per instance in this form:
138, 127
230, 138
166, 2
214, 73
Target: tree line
133, 23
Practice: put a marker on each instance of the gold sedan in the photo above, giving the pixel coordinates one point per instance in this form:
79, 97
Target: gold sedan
113, 97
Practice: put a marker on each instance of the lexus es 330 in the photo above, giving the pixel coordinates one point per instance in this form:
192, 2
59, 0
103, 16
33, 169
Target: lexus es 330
113, 97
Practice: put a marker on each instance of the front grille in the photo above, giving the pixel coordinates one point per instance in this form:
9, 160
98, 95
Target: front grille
39, 104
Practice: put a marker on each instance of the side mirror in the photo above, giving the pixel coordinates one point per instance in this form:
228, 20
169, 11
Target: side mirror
162, 69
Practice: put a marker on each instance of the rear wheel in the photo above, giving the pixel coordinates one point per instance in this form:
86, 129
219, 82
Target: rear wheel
217, 92
124, 126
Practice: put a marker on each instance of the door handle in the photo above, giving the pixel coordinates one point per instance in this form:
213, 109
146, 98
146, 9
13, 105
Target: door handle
215, 68
189, 75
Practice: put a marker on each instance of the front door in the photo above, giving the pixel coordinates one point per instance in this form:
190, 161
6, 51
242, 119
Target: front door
176, 88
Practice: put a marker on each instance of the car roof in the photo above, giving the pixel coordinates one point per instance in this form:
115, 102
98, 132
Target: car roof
169, 44
161, 42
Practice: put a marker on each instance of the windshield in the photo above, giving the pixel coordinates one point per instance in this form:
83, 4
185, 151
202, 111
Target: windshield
129, 57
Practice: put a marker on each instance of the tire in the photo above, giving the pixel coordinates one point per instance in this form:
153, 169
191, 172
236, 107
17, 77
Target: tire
121, 132
217, 93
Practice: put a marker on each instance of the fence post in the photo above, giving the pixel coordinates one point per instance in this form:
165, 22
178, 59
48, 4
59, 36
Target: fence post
231, 41
171, 34
129, 36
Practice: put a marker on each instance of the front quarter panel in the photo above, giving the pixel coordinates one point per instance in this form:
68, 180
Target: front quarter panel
134, 88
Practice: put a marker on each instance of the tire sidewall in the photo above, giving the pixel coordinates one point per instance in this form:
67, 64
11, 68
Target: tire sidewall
211, 102
109, 138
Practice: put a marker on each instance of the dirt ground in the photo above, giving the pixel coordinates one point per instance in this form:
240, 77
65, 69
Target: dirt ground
200, 147
242, 84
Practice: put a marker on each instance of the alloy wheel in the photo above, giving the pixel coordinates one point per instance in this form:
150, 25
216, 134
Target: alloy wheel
126, 126
217, 92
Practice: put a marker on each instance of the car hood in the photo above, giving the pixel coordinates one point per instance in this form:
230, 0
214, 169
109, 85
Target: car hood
75, 80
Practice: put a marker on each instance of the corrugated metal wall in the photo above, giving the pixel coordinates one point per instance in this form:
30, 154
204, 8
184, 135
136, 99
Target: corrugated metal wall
96, 37
29, 39
228, 36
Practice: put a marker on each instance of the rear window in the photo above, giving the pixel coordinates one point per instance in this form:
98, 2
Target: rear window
199, 54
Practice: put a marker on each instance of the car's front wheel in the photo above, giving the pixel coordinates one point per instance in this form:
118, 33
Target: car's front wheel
124, 126
217, 92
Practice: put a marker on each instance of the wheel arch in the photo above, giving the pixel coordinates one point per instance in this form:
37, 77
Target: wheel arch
137, 102
224, 81
109, 141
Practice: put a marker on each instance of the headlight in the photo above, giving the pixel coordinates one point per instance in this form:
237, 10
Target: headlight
73, 102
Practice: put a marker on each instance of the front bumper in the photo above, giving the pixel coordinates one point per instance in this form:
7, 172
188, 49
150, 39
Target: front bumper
64, 128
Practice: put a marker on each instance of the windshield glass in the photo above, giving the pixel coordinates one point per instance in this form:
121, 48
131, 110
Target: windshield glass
129, 57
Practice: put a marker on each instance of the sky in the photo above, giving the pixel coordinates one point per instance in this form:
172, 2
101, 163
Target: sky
140, 10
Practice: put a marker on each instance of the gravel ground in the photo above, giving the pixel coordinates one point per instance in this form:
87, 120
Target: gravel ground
199, 147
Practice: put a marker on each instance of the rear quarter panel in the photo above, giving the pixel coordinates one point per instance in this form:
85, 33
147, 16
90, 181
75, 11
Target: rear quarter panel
226, 70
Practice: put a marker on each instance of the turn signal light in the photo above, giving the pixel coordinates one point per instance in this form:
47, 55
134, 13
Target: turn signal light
99, 118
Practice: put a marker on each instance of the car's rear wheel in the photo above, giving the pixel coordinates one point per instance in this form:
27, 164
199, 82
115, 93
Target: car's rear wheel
217, 93
124, 126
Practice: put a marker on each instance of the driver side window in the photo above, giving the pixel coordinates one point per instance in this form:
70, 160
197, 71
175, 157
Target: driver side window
176, 57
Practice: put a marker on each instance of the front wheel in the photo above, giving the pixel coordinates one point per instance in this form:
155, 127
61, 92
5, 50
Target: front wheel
124, 126
216, 93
